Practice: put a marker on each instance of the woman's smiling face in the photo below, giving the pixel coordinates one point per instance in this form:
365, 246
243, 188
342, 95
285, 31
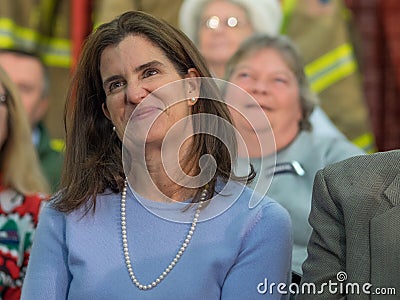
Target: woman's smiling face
265, 75
132, 71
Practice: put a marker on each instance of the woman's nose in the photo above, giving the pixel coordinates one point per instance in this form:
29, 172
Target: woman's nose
135, 93
260, 87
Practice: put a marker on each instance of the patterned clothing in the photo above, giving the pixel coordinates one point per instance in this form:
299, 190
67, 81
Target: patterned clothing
18, 220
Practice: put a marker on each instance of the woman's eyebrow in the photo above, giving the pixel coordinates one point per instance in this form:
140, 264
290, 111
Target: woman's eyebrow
153, 63
110, 79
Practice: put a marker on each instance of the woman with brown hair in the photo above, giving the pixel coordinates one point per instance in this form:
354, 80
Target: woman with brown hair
149, 206
22, 190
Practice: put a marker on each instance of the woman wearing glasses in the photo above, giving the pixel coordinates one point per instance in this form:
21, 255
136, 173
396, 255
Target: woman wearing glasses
21, 190
217, 27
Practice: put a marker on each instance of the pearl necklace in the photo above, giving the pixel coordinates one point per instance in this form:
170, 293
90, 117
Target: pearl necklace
178, 255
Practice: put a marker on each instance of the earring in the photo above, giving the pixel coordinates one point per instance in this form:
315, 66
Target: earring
193, 99
113, 128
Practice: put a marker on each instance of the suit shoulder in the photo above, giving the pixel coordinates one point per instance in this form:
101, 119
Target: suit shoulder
380, 162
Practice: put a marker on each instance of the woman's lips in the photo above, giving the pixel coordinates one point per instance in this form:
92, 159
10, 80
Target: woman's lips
258, 107
144, 112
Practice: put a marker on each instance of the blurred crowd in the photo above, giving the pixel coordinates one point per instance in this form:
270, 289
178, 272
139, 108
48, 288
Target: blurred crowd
332, 66
367, 27
358, 38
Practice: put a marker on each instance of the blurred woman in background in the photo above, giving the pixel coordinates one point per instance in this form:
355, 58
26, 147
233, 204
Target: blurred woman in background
270, 69
22, 189
217, 27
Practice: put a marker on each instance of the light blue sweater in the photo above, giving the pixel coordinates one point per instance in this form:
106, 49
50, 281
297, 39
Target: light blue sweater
230, 254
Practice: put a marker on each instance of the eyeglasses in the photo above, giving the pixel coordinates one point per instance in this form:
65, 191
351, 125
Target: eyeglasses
214, 22
3, 99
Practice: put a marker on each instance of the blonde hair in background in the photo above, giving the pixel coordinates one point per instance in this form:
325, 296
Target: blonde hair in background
19, 164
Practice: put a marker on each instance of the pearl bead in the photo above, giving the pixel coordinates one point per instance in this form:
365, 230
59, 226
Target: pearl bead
177, 257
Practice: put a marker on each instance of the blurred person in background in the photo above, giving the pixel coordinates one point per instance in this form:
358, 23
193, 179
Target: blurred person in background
217, 27
31, 77
23, 188
270, 69
318, 28
45, 28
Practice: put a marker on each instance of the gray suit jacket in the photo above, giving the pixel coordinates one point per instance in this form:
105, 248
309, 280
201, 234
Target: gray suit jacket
355, 217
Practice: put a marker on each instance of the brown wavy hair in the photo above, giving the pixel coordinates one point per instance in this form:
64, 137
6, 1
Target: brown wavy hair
93, 155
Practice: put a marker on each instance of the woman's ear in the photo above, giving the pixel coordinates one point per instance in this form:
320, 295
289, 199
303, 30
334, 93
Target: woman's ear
193, 85
192, 73
105, 111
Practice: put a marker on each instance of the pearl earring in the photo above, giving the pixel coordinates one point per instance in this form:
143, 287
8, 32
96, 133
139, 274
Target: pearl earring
193, 99
113, 128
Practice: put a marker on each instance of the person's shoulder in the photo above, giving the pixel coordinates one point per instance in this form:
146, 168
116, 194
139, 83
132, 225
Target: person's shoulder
330, 148
34, 201
377, 162
261, 206
335, 144
360, 175
50, 205
22, 204
37, 197
105, 202
253, 214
